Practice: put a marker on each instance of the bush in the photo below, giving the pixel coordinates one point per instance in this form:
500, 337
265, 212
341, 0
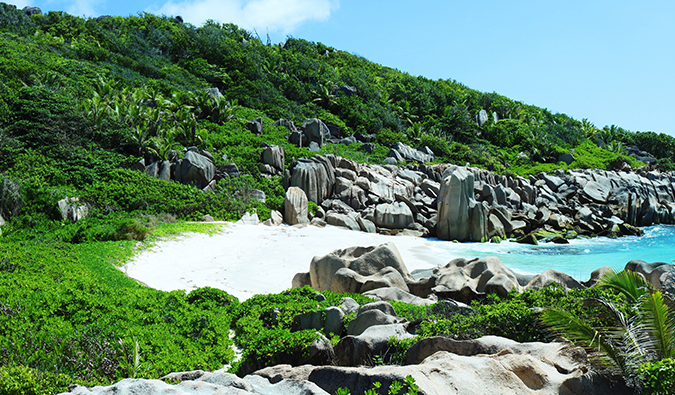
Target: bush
658, 377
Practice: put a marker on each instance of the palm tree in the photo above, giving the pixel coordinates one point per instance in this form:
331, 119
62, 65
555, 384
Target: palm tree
646, 335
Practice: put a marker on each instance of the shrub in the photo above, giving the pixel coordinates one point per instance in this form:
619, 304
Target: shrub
658, 377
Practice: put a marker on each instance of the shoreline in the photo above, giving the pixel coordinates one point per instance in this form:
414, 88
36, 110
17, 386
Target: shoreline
245, 260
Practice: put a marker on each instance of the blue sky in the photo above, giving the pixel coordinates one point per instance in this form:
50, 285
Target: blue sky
608, 61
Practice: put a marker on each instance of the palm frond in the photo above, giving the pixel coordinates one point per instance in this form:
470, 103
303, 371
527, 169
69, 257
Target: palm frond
627, 282
601, 344
659, 321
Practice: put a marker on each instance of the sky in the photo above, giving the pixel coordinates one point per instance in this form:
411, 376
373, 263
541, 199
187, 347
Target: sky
608, 61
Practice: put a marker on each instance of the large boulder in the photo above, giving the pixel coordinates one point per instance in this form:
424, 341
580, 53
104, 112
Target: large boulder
401, 152
199, 383
654, 272
357, 270
195, 169
499, 366
396, 215
364, 348
460, 217
295, 206
553, 276
274, 156
315, 131
466, 280
315, 176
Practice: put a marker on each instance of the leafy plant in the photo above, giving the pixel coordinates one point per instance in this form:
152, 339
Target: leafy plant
644, 335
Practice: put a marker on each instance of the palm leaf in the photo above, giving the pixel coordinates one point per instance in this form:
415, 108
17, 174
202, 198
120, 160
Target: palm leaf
600, 343
629, 283
659, 321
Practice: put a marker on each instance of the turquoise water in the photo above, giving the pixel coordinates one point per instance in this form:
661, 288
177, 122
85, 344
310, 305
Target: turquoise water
579, 258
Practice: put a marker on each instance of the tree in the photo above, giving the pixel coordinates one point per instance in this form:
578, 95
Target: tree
642, 333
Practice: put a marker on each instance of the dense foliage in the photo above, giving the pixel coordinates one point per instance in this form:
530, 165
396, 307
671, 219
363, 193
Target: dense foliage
83, 100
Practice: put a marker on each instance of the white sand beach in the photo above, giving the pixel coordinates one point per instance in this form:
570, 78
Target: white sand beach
245, 260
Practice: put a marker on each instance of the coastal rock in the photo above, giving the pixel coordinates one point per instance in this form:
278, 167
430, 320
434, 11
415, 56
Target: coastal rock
274, 156
295, 206
315, 131
397, 294
371, 314
460, 217
654, 272
315, 176
255, 126
362, 349
553, 276
396, 215
512, 369
465, 280
359, 269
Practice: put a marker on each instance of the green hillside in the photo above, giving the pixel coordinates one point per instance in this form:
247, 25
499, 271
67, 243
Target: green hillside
83, 100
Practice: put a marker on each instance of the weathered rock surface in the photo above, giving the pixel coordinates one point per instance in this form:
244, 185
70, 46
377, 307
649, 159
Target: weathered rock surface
460, 217
205, 383
489, 365
655, 273
195, 169
71, 209
464, 280
295, 206
357, 270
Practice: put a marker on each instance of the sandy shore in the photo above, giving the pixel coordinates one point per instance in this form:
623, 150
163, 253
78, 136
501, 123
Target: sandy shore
245, 260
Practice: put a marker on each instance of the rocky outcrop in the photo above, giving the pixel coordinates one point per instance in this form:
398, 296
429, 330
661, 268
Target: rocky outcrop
477, 205
460, 217
195, 169
357, 270
465, 280
656, 273
295, 206
273, 158
199, 382
489, 365
72, 209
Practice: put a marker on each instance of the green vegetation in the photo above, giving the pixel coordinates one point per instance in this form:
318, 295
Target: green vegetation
637, 341
83, 100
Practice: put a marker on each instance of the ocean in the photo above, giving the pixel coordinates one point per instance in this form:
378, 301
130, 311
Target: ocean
578, 258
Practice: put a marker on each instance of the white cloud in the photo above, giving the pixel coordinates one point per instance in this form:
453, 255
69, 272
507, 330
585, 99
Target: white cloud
84, 8
280, 16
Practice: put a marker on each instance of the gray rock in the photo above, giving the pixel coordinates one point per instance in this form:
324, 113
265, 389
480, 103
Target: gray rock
359, 269
482, 117
275, 219
653, 272
295, 206
32, 10
366, 225
390, 293
315, 131
553, 276
348, 221
465, 280
356, 350
195, 169
567, 158
249, 219
287, 124
316, 177
518, 368
460, 217
274, 156
404, 152
396, 215
72, 210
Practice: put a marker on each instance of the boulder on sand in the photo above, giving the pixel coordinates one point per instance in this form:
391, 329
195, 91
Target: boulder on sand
295, 206
357, 270
460, 217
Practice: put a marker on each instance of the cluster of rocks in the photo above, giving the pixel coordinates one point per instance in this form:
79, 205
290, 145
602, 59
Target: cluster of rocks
471, 204
438, 365
379, 272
